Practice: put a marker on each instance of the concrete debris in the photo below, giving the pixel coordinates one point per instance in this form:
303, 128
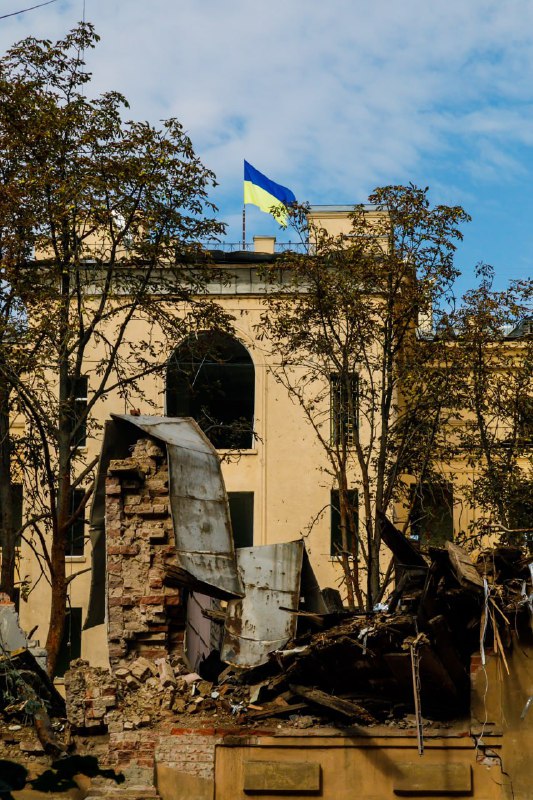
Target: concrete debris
12, 637
166, 673
343, 668
90, 694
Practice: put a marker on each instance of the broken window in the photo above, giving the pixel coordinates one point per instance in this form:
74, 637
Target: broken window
211, 378
344, 401
241, 509
71, 642
432, 514
335, 521
76, 532
77, 387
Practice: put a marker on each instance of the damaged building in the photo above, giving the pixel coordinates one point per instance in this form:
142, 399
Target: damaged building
234, 674
215, 658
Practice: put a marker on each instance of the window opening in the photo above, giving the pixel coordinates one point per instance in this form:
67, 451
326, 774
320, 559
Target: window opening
432, 514
76, 532
78, 387
241, 509
211, 378
344, 405
335, 521
70, 647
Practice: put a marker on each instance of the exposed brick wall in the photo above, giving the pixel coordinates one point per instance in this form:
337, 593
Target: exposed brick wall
145, 618
189, 750
90, 694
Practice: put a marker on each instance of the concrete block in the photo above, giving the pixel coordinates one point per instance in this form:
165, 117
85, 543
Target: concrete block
439, 780
281, 776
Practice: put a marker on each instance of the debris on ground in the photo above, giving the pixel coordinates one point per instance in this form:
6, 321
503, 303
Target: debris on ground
340, 668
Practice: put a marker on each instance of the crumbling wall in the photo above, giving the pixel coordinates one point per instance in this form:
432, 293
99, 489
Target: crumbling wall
145, 618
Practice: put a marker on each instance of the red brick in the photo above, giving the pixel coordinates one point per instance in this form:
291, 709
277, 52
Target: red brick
172, 600
123, 550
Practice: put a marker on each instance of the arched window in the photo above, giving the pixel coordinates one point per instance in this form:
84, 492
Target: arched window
211, 378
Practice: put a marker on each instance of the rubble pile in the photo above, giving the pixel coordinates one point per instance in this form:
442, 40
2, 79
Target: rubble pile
341, 668
369, 667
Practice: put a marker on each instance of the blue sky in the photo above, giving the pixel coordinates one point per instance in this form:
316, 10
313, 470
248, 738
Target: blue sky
332, 99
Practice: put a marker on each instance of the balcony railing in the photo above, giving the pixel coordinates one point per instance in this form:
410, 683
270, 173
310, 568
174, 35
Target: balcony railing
250, 247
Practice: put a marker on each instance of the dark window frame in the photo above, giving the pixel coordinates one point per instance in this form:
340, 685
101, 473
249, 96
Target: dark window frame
243, 535
17, 490
78, 388
335, 536
70, 647
211, 378
76, 531
344, 421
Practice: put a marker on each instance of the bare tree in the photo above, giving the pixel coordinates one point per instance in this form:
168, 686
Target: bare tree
113, 211
493, 353
343, 325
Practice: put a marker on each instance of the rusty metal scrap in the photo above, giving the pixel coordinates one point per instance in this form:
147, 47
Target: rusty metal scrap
256, 625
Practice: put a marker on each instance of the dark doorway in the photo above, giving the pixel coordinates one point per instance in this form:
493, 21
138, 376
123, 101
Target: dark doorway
211, 378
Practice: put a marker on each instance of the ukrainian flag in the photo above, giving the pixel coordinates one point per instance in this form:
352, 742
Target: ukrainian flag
273, 198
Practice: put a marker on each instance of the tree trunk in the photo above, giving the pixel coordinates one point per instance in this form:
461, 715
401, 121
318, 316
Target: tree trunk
64, 487
7, 532
58, 605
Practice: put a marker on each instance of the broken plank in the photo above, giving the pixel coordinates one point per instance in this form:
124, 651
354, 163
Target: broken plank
276, 710
463, 568
400, 546
317, 619
338, 704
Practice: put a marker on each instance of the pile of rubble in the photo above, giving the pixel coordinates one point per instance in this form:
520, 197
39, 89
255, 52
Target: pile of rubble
388, 666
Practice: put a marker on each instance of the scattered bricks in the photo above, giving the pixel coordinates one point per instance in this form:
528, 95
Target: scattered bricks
32, 747
90, 693
141, 669
122, 672
204, 688
166, 673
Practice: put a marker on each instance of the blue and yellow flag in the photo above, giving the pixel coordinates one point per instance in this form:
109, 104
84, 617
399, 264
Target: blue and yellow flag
273, 198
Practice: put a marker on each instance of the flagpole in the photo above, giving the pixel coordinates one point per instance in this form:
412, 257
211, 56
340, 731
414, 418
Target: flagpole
244, 227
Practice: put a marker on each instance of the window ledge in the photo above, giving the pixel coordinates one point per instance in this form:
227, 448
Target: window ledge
338, 559
76, 559
231, 452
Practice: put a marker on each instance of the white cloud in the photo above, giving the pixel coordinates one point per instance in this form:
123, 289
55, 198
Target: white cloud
330, 99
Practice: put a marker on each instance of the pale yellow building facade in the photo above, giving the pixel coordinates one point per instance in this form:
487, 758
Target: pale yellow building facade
280, 485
